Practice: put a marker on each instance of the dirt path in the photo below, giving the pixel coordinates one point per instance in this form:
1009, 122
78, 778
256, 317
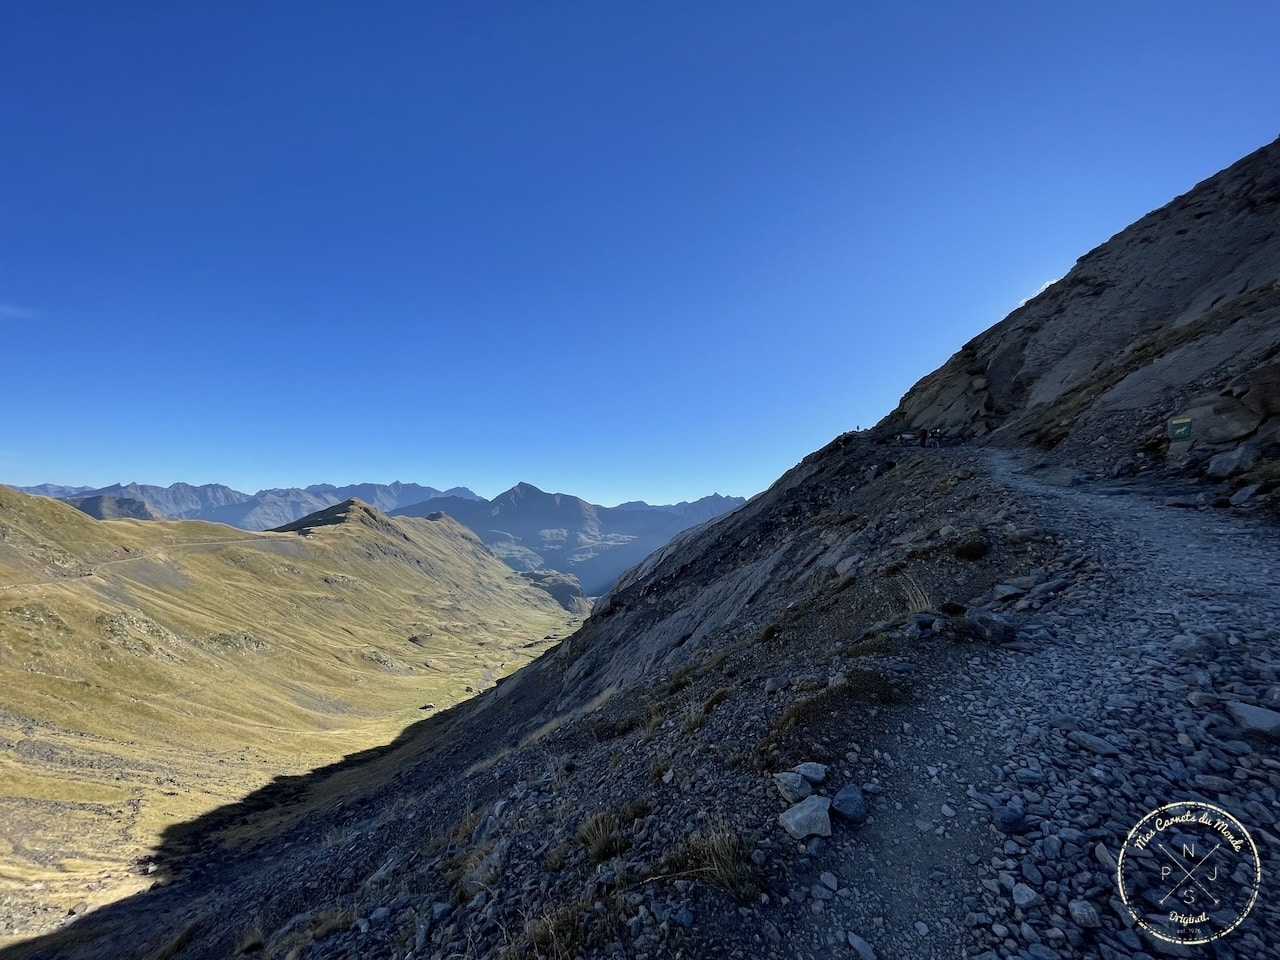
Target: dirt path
1122, 707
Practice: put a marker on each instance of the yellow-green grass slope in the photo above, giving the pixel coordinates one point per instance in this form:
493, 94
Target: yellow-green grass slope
150, 671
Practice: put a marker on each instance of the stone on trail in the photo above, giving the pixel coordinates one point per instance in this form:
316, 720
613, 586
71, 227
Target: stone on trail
992, 627
807, 818
1253, 719
1096, 744
1010, 819
861, 947
1083, 914
792, 786
851, 804
813, 772
1023, 895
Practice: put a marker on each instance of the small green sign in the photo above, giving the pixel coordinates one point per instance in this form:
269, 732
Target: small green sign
1180, 429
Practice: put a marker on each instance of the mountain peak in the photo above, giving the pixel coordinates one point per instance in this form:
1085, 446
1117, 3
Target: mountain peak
350, 511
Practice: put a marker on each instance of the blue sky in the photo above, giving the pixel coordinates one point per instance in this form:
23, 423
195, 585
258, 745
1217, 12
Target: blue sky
621, 250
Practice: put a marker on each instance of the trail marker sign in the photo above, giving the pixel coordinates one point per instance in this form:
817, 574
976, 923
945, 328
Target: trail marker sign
1180, 429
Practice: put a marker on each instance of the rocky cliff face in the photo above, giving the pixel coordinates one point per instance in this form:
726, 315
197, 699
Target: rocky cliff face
1177, 316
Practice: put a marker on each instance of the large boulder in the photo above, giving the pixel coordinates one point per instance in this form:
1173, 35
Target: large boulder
1235, 461
1257, 720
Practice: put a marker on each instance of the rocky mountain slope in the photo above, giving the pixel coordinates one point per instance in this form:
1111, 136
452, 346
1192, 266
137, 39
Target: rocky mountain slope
152, 671
908, 702
102, 507
534, 530
1172, 318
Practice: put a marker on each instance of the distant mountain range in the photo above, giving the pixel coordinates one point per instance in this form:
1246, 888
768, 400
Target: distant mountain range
533, 530
263, 510
528, 528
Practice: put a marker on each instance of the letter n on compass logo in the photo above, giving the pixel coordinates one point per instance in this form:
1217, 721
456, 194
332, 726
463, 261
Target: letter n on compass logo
1189, 872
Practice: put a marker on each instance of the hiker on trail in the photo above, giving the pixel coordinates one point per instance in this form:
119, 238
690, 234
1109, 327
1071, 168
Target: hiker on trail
922, 435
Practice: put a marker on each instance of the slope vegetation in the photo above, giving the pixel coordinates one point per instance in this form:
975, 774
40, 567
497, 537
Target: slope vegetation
153, 670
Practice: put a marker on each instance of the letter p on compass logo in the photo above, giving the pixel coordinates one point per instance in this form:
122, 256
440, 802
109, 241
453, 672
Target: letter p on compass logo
1189, 872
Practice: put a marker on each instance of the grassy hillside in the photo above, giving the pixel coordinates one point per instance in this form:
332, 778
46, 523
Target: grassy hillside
153, 670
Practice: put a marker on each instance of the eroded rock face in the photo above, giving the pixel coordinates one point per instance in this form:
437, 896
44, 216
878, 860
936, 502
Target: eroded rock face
1178, 313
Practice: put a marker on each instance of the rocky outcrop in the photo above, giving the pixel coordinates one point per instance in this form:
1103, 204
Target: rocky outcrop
114, 508
1175, 317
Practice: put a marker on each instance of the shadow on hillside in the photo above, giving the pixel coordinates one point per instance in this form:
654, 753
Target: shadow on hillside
199, 861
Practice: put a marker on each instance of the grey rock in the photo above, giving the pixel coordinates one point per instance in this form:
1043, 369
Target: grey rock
1244, 494
829, 880
851, 804
1084, 914
1253, 719
792, 786
807, 818
1091, 742
1010, 818
813, 772
861, 947
1235, 461
992, 627
1023, 895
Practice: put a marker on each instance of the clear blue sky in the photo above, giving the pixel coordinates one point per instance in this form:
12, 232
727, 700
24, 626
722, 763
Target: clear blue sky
621, 250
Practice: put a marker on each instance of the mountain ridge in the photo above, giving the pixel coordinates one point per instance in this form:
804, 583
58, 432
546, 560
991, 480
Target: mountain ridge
533, 530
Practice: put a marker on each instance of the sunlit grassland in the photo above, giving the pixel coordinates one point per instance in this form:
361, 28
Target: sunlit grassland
151, 672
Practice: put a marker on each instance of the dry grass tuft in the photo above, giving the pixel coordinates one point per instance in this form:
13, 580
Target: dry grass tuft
693, 721
600, 835
635, 809
914, 597
863, 688
456, 835
716, 697
679, 680
170, 949
717, 858
251, 941
556, 934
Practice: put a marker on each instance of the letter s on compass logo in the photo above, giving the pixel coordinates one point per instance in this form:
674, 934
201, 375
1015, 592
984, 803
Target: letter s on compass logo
1189, 872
